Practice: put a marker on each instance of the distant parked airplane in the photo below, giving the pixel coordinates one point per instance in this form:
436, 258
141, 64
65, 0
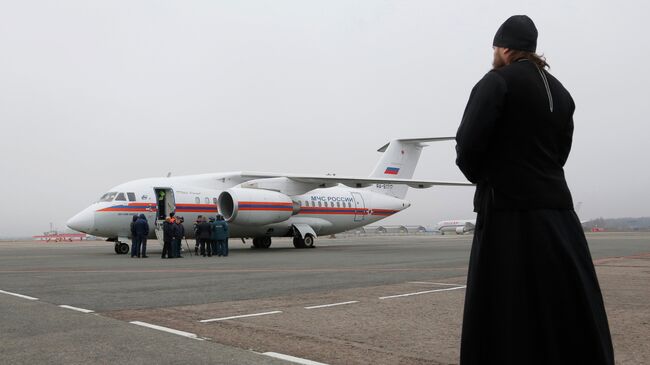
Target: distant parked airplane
460, 226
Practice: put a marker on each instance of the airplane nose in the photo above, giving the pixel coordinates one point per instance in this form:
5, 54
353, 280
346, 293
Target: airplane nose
83, 221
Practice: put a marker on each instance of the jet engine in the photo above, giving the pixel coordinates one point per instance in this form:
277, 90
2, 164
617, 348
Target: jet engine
255, 206
460, 230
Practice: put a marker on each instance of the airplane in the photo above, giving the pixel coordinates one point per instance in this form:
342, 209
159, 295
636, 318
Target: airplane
460, 226
263, 205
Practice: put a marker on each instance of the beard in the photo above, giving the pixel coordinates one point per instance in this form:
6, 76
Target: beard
498, 61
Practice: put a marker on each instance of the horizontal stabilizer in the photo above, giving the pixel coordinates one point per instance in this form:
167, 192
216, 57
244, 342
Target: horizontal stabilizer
416, 141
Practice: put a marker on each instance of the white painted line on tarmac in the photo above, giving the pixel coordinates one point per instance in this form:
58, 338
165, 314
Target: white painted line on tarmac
331, 305
235, 317
18, 295
297, 360
431, 283
77, 309
421, 292
168, 330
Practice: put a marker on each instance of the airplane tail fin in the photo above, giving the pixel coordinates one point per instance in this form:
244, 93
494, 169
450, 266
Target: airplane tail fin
399, 160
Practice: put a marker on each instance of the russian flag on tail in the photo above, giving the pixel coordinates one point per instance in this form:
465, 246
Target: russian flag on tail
391, 170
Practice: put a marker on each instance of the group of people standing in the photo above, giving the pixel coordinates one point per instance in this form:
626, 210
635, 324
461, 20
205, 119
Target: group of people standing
173, 233
211, 236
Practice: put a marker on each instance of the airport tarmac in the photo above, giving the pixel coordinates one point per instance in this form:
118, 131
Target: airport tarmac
358, 300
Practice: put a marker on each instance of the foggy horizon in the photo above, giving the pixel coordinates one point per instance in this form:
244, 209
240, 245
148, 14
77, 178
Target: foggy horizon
98, 94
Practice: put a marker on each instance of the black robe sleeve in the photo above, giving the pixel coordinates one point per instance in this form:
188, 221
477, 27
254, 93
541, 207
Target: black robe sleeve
567, 137
474, 134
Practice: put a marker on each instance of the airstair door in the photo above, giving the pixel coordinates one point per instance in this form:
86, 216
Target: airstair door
359, 207
165, 204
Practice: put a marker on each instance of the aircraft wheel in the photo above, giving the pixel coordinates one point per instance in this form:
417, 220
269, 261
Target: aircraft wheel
262, 242
309, 241
298, 242
123, 248
117, 248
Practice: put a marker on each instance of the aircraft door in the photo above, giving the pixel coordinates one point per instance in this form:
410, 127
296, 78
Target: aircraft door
165, 202
359, 207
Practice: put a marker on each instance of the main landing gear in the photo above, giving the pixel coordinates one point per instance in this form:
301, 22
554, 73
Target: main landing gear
307, 242
121, 248
298, 242
262, 242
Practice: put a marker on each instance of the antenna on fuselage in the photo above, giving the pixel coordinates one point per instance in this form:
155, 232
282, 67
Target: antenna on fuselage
169, 174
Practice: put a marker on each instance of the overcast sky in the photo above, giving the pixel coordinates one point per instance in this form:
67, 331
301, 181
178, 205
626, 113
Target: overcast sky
94, 94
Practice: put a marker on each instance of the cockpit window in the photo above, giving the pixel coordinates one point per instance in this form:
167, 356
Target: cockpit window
131, 196
121, 197
108, 197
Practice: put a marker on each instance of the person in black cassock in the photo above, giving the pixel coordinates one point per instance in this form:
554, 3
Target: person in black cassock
532, 293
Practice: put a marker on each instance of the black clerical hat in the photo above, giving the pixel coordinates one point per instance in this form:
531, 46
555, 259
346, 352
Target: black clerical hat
518, 33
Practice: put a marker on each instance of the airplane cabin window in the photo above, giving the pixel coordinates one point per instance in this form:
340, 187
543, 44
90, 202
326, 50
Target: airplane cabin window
131, 196
338, 204
207, 200
320, 204
307, 203
108, 197
349, 205
332, 204
214, 200
120, 197
197, 200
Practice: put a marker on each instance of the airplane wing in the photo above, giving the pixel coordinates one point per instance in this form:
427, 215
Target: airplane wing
353, 182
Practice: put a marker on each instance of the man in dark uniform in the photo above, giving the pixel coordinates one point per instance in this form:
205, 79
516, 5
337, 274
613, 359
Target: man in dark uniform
220, 234
141, 233
532, 293
135, 245
203, 234
168, 238
211, 245
198, 221
179, 235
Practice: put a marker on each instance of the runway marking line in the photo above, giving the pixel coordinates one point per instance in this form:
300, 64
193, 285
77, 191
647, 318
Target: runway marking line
428, 282
18, 295
331, 305
168, 330
82, 310
422, 292
235, 317
297, 360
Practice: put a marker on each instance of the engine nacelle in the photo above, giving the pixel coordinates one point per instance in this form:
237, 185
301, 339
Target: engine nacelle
460, 230
255, 206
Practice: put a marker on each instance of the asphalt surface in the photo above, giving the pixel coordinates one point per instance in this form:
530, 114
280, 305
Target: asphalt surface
389, 299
